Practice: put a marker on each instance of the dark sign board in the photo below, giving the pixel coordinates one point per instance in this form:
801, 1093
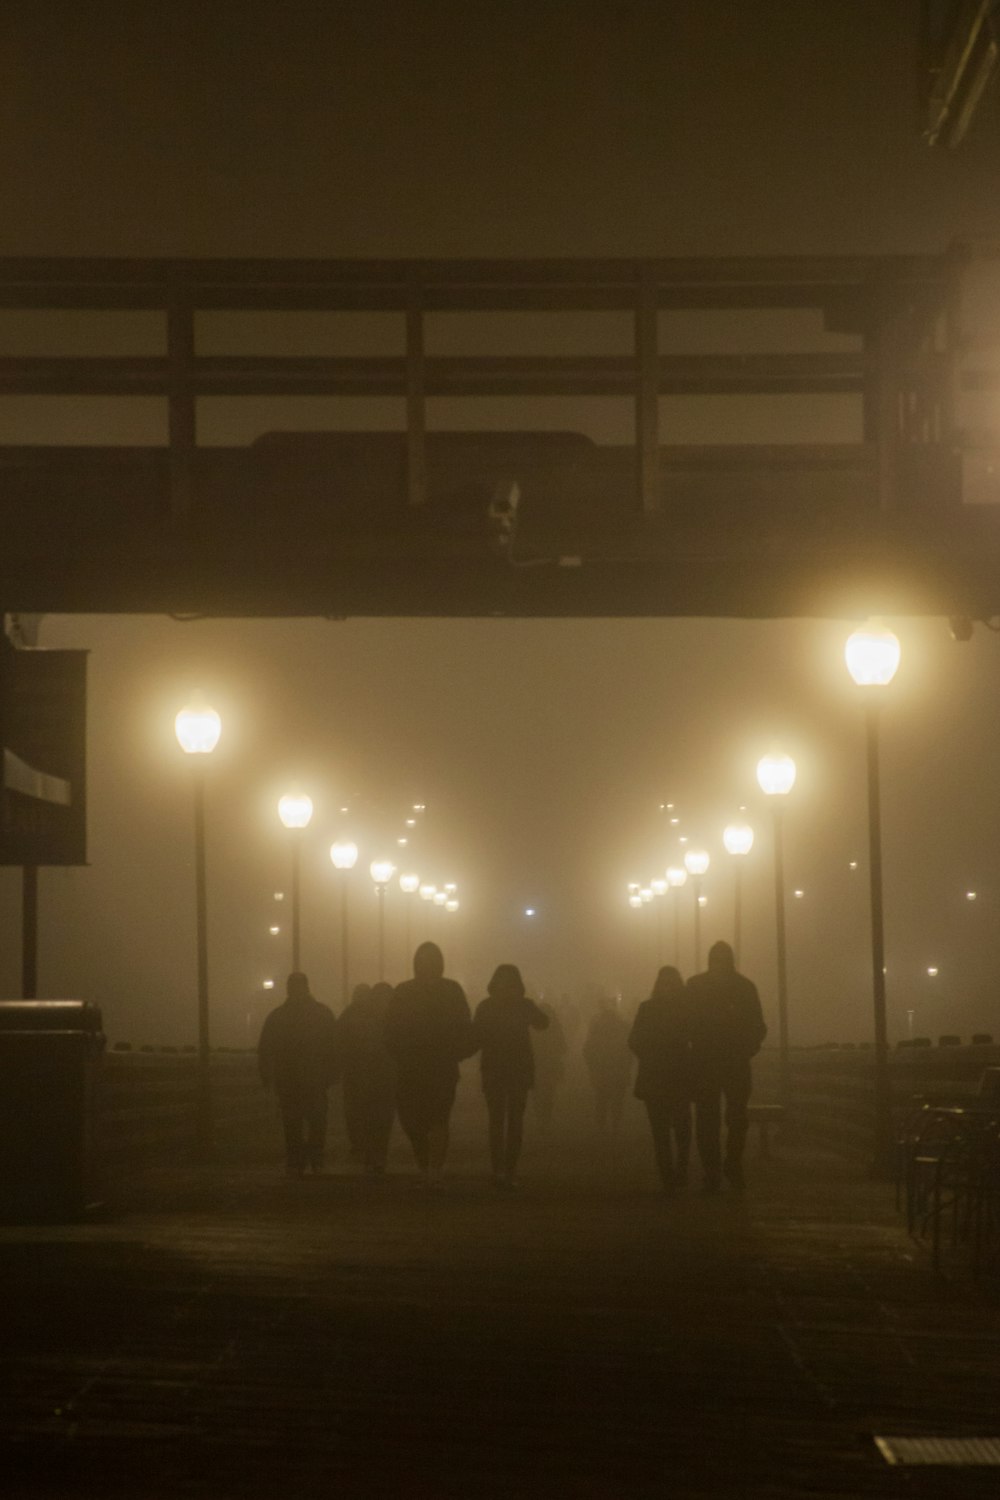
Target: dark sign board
43, 756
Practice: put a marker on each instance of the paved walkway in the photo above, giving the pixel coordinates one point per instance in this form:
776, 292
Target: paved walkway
226, 1333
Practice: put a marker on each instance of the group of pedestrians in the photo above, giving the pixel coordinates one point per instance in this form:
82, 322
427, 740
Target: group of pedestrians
398, 1053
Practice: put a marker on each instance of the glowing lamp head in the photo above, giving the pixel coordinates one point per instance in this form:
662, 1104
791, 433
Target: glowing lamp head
738, 838
197, 728
776, 774
635, 900
450, 887
659, 887
451, 904
295, 809
344, 854
409, 883
268, 984
696, 861
872, 655
440, 898
646, 895
427, 892
676, 877
381, 871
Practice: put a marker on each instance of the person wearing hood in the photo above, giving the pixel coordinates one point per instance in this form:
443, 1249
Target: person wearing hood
660, 1039
500, 1031
727, 1030
297, 1057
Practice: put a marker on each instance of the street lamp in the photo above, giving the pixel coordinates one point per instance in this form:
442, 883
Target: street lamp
409, 884
696, 862
872, 656
198, 728
295, 809
776, 777
344, 856
738, 839
676, 877
381, 871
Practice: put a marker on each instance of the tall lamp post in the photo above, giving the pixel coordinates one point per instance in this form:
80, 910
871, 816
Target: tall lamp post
409, 885
344, 856
198, 728
696, 862
872, 655
676, 877
659, 889
381, 871
738, 839
776, 777
295, 810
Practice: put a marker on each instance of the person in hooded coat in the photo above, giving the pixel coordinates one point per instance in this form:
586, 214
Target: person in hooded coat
427, 1031
660, 1039
500, 1032
369, 1076
727, 1030
297, 1057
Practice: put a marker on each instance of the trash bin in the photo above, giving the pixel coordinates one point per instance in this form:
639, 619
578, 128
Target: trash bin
50, 1059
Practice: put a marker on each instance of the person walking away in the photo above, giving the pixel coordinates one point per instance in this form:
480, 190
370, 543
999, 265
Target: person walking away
549, 1049
660, 1040
609, 1065
727, 1030
368, 1076
501, 1032
297, 1058
427, 1031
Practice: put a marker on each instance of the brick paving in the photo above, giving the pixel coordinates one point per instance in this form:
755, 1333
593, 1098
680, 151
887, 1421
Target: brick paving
226, 1333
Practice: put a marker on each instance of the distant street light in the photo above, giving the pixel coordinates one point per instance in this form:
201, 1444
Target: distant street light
198, 728
696, 862
381, 871
738, 839
676, 878
776, 777
343, 857
872, 656
409, 884
295, 810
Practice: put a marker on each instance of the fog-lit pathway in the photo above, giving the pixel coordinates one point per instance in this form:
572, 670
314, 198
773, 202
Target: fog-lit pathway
227, 1333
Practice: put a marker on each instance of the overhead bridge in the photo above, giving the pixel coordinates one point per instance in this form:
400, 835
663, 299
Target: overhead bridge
748, 437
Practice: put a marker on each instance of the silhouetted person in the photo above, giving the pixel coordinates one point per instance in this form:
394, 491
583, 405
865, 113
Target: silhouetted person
727, 1029
550, 1048
606, 1054
427, 1032
297, 1057
500, 1031
660, 1039
369, 1076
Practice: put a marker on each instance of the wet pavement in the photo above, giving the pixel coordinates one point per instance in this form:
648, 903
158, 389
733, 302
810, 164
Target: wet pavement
224, 1332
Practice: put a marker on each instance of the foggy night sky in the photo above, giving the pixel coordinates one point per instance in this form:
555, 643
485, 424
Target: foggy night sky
542, 750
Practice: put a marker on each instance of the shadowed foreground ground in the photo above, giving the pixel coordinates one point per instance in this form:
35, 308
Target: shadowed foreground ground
226, 1333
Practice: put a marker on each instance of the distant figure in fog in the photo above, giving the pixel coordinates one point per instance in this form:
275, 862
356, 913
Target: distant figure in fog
428, 1030
297, 1057
727, 1029
550, 1048
660, 1038
369, 1076
609, 1064
500, 1031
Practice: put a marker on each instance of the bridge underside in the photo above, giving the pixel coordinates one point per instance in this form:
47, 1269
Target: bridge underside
535, 520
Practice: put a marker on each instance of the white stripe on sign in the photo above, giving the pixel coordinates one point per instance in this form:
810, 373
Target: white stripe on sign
18, 776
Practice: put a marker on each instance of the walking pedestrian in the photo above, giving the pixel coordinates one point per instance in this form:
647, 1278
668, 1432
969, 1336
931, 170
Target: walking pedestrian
660, 1039
369, 1076
500, 1031
727, 1030
297, 1057
606, 1054
428, 1030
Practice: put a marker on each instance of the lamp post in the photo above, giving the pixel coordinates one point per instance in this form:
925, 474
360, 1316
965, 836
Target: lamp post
295, 810
381, 871
872, 656
427, 892
696, 862
676, 877
344, 856
409, 885
776, 777
198, 728
659, 889
738, 839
